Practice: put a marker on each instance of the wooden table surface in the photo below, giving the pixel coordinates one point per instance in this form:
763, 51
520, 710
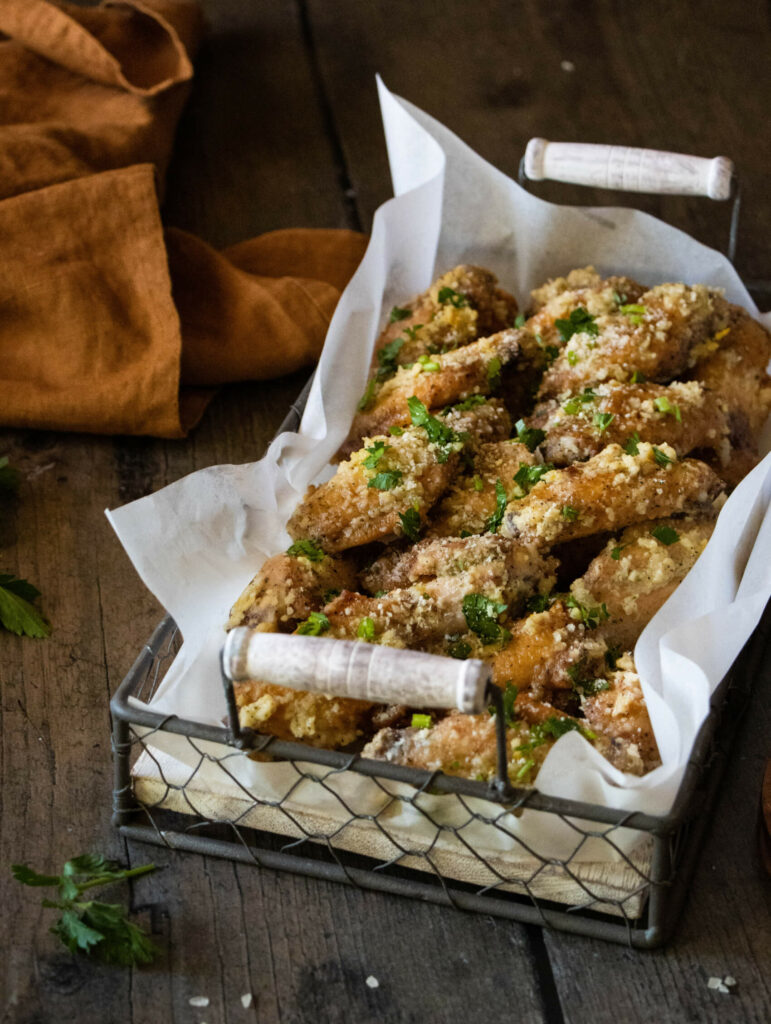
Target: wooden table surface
282, 129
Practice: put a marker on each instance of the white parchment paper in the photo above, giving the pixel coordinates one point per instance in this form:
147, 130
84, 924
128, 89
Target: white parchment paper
199, 541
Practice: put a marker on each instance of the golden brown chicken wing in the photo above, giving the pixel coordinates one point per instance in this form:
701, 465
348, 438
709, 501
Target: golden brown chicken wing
312, 718
617, 714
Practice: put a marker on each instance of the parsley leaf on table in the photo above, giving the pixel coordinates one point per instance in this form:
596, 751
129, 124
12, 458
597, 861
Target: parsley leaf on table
17, 612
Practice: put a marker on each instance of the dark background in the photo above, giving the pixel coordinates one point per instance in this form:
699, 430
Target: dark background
282, 129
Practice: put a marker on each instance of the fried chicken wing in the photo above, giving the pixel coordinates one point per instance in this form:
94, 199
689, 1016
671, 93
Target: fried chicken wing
288, 588
611, 490
618, 716
656, 337
473, 499
443, 380
563, 294
685, 415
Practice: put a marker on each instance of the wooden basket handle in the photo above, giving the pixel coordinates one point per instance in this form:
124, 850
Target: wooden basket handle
362, 671
628, 169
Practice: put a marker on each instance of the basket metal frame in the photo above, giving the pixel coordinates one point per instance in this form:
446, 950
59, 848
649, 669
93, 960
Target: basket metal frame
677, 837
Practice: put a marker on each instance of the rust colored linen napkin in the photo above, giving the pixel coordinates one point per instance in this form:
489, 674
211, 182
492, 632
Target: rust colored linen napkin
107, 323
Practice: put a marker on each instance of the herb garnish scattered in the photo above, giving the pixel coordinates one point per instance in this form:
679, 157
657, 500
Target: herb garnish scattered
631, 445
665, 534
412, 332
450, 296
529, 436
468, 403
612, 655
316, 624
661, 457
570, 513
9, 477
591, 616
386, 480
572, 357
410, 521
387, 357
550, 351
444, 437
17, 612
366, 630
421, 721
528, 476
494, 372
616, 552
306, 549
481, 614
519, 320
368, 397
496, 518
634, 312
580, 321
396, 431
479, 484
457, 648
584, 682
88, 926
664, 406
399, 313
602, 420
638, 377
540, 603
428, 365
375, 454
574, 405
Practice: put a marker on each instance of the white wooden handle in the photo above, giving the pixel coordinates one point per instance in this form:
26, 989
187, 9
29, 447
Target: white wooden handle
629, 169
346, 668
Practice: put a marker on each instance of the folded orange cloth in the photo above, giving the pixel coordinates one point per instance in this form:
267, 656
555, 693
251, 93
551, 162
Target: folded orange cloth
101, 324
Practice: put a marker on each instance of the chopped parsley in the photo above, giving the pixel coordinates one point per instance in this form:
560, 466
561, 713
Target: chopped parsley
602, 420
570, 513
481, 615
612, 655
306, 549
661, 457
421, 721
550, 351
375, 454
509, 699
634, 312
387, 357
329, 595
572, 357
574, 405
366, 630
494, 372
591, 616
396, 431
552, 728
580, 321
412, 332
479, 484
399, 313
386, 480
539, 603
368, 397
584, 682
638, 377
439, 433
410, 521
457, 648
665, 534
496, 518
529, 436
619, 298
519, 320
528, 476
664, 406
631, 445
616, 552
468, 403
448, 296
316, 624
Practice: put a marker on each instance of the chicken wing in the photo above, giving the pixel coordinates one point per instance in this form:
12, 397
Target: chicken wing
611, 490
618, 716
655, 337
685, 415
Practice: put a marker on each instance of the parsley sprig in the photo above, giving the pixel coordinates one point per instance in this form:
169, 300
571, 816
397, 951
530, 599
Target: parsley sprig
529, 436
528, 476
316, 624
89, 926
444, 437
307, 549
17, 610
448, 296
496, 518
580, 321
590, 615
399, 313
410, 521
481, 615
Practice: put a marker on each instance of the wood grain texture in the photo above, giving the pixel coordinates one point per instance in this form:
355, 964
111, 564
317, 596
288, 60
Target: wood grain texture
282, 124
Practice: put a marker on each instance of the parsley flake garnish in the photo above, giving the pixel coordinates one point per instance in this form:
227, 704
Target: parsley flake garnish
574, 405
444, 437
366, 630
528, 476
387, 357
638, 377
410, 521
306, 549
386, 480
550, 351
631, 445
584, 682
412, 332
602, 420
421, 721
519, 320
468, 403
612, 655
634, 312
368, 397
396, 431
481, 615
616, 552
316, 624
496, 518
570, 513
580, 321
665, 534
572, 357
457, 648
450, 296
494, 372
399, 313
664, 406
479, 484
661, 457
17, 612
529, 436
89, 926
375, 454
539, 603
510, 692
591, 616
